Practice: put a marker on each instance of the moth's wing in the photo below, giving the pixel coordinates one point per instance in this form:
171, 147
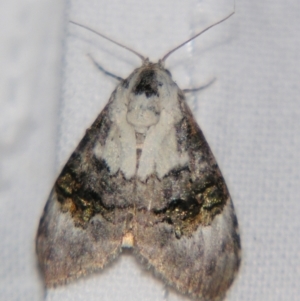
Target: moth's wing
190, 233
79, 231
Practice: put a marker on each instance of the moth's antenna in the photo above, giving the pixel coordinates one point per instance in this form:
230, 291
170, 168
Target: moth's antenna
195, 36
107, 38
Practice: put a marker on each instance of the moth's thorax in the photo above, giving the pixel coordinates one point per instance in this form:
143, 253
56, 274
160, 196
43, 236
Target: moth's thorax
148, 90
148, 103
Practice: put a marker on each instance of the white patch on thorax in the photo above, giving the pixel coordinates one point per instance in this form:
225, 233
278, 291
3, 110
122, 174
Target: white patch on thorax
155, 117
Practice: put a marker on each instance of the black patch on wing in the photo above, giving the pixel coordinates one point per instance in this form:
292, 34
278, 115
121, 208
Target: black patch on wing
84, 187
195, 202
193, 195
76, 194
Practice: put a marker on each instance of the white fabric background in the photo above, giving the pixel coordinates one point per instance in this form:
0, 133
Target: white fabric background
50, 92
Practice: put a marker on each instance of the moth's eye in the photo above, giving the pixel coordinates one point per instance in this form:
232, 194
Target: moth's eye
168, 72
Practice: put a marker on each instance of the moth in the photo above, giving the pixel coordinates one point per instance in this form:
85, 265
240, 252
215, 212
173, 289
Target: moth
143, 177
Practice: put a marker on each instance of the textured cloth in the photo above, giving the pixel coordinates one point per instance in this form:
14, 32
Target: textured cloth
51, 92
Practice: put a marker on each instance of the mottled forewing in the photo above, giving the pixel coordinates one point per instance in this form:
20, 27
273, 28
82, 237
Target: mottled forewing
189, 232
80, 230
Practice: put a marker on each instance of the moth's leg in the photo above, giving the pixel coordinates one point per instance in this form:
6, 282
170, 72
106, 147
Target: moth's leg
200, 88
166, 293
105, 71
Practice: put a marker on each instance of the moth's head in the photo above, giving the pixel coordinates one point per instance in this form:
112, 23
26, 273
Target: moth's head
150, 78
150, 89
